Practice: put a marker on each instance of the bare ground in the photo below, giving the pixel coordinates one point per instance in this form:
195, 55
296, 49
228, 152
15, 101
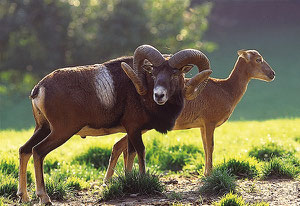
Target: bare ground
181, 189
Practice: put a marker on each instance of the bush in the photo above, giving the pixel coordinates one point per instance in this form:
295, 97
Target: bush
278, 168
231, 200
8, 186
95, 156
9, 167
246, 168
132, 183
268, 151
218, 183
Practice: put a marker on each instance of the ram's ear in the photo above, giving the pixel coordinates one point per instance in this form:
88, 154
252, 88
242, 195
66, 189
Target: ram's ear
186, 68
244, 54
148, 68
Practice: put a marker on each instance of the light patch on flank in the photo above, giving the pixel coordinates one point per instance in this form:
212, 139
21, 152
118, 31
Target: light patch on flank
39, 99
105, 87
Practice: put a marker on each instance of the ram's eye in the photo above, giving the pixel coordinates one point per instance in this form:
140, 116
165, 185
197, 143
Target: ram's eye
176, 71
259, 60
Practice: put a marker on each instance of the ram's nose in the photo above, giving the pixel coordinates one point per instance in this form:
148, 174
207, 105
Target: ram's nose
160, 95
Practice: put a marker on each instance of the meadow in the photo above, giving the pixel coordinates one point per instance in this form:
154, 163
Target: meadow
80, 163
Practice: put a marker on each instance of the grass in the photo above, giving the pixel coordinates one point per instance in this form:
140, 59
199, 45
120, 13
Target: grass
231, 199
218, 183
266, 152
233, 141
132, 183
241, 168
278, 168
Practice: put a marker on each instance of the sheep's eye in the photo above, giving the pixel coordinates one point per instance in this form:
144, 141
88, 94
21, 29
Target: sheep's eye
259, 60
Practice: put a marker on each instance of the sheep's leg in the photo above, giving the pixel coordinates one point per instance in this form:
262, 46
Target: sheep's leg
136, 141
25, 153
52, 141
118, 148
208, 141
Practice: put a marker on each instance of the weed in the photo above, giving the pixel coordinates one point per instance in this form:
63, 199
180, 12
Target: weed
297, 139
8, 186
231, 200
218, 183
242, 168
278, 168
132, 183
95, 156
268, 151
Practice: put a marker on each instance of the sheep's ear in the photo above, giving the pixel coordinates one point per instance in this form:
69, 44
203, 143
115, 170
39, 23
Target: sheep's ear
243, 53
186, 68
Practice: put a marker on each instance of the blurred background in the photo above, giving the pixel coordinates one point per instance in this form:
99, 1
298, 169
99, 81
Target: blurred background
39, 36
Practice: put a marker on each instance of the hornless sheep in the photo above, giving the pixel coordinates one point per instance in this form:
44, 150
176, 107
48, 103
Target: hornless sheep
212, 107
100, 99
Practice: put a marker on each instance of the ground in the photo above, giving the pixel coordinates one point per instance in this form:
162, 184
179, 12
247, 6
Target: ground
182, 189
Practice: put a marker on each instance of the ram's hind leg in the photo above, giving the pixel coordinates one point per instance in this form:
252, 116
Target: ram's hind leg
25, 153
51, 142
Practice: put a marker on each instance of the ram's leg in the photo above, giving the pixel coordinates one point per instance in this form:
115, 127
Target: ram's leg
25, 153
208, 140
117, 149
136, 141
52, 141
131, 152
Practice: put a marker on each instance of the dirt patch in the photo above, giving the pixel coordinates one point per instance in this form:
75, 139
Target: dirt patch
180, 189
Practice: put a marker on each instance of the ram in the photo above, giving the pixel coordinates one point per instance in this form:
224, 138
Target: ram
212, 107
100, 99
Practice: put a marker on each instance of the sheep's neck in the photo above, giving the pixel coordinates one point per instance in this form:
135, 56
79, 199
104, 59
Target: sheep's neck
238, 81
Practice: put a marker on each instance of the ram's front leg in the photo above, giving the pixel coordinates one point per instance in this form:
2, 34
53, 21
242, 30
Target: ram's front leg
135, 143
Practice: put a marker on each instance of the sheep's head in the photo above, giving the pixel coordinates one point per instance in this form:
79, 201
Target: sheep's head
167, 72
258, 68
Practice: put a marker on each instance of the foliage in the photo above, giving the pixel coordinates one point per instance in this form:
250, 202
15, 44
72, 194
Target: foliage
231, 200
267, 151
218, 183
242, 168
95, 156
39, 35
132, 183
75, 183
279, 168
57, 190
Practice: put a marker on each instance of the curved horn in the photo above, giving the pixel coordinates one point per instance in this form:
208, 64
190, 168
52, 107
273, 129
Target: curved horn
191, 56
195, 85
134, 78
136, 74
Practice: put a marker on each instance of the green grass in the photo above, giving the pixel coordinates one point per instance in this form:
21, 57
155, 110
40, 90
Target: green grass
278, 168
233, 141
231, 199
241, 168
218, 183
266, 152
132, 183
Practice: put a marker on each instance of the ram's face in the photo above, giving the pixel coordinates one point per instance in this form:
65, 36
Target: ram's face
167, 81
